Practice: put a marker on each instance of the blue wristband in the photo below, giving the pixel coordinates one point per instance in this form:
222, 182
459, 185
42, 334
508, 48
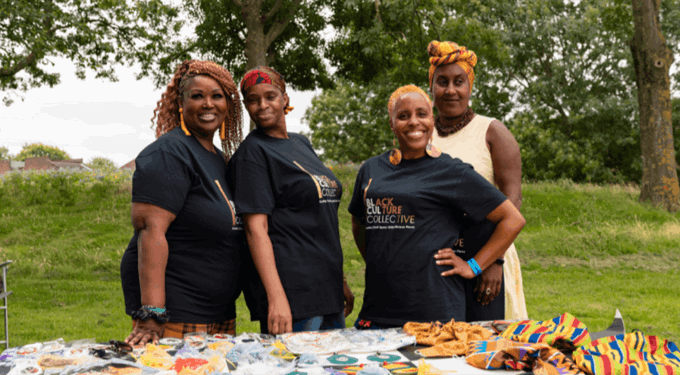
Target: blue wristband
475, 267
155, 309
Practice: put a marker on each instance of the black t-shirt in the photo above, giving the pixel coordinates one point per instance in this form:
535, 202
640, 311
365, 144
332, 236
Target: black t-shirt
205, 240
285, 179
473, 236
412, 210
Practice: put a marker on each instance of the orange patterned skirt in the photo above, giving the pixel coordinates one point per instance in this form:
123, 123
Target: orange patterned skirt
178, 330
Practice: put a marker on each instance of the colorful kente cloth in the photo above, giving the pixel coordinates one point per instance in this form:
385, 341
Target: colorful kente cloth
444, 53
501, 353
564, 332
632, 353
264, 74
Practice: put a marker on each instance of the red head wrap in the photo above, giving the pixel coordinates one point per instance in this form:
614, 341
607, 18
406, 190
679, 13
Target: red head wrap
264, 74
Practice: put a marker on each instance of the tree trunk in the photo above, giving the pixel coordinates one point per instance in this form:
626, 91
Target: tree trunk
652, 59
257, 41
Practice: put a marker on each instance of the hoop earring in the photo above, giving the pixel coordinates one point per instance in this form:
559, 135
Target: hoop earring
395, 154
181, 123
223, 132
433, 150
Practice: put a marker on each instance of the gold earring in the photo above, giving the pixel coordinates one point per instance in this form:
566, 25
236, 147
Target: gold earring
395, 154
181, 122
223, 132
433, 150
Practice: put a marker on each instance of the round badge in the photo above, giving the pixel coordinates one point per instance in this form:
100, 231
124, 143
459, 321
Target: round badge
341, 359
170, 341
383, 358
30, 370
196, 342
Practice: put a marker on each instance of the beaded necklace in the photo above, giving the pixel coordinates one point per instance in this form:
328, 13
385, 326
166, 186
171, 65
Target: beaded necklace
446, 130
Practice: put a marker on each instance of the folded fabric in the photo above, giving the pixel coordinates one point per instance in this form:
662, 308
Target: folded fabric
500, 353
564, 332
632, 353
445, 340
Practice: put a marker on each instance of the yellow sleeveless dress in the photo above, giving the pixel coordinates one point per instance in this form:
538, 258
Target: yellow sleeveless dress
469, 145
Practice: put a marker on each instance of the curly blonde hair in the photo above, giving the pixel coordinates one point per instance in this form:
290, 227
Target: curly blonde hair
166, 114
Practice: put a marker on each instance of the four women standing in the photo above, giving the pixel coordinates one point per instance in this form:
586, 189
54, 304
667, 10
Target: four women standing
408, 208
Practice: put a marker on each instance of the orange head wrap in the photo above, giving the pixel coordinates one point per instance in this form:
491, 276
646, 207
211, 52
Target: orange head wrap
405, 90
443, 53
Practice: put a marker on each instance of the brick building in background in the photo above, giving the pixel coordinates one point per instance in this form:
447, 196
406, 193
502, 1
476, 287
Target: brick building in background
130, 165
43, 163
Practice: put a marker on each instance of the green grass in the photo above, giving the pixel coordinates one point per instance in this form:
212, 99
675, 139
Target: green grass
586, 250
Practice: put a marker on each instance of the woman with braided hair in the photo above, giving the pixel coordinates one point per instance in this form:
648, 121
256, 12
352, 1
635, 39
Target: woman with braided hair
180, 271
406, 211
492, 150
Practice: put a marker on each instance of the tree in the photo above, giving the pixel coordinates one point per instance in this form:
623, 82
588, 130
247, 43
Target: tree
35, 150
4, 153
557, 73
97, 35
652, 59
241, 34
102, 163
348, 124
376, 52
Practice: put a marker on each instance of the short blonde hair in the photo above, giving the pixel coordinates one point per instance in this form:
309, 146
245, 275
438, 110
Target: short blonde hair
405, 90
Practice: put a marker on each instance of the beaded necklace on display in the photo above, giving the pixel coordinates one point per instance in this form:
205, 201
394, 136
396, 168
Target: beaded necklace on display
446, 130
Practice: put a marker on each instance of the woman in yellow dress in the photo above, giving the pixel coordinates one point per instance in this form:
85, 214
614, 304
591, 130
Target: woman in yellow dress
492, 150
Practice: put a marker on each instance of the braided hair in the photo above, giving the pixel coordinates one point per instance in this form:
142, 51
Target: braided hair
167, 116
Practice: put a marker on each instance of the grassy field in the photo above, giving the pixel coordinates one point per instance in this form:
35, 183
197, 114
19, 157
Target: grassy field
586, 250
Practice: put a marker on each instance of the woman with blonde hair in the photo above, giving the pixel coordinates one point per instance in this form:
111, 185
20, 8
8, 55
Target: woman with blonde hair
407, 208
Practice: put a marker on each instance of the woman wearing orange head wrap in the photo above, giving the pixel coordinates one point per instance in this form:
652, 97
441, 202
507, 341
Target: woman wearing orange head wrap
490, 147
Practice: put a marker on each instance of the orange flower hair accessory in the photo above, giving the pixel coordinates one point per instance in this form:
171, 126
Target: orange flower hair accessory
444, 53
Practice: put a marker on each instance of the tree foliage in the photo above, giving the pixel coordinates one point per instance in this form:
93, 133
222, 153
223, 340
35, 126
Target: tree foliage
96, 35
557, 73
285, 34
4, 153
102, 163
348, 124
35, 150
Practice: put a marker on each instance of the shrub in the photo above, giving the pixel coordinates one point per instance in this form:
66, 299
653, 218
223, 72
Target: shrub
64, 188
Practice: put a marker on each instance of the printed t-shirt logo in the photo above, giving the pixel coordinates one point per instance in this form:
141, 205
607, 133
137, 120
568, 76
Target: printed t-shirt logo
384, 211
329, 188
326, 187
236, 220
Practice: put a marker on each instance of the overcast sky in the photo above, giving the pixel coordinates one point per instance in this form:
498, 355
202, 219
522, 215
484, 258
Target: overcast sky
94, 117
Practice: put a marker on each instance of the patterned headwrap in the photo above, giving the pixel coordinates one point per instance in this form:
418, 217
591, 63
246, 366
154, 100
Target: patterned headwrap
264, 74
444, 53
405, 90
